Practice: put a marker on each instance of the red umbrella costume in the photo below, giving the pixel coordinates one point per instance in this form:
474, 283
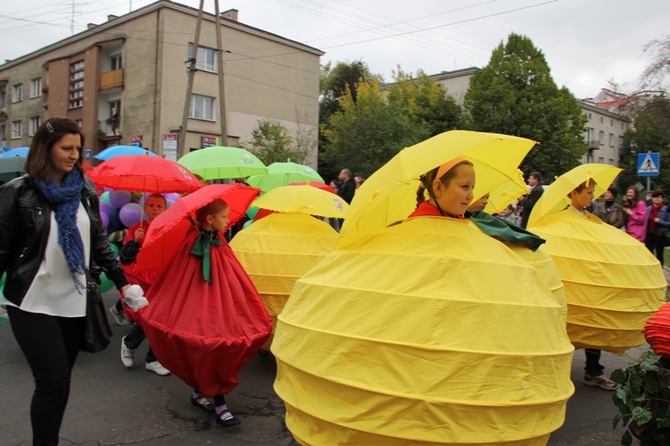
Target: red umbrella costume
203, 331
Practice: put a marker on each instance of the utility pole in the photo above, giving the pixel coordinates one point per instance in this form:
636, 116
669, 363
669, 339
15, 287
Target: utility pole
222, 93
181, 147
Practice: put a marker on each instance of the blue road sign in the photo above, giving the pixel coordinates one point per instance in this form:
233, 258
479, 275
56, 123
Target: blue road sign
648, 164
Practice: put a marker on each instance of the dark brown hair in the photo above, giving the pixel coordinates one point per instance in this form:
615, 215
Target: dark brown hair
38, 162
209, 209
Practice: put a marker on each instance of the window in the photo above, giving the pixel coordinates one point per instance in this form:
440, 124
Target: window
601, 137
206, 59
590, 134
611, 139
116, 62
17, 93
76, 98
16, 130
602, 120
621, 142
611, 122
3, 98
202, 107
601, 160
34, 123
36, 87
589, 115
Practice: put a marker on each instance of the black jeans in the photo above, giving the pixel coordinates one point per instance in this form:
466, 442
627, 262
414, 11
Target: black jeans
655, 245
135, 338
593, 366
50, 344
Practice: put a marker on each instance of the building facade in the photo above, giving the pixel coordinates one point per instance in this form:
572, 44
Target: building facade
125, 81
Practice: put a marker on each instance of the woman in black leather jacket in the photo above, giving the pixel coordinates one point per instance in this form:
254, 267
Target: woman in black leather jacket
50, 232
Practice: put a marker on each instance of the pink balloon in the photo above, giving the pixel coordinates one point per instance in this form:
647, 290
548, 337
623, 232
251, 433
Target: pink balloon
130, 214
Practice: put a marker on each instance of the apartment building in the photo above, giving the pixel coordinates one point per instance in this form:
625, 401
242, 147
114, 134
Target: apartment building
604, 130
125, 81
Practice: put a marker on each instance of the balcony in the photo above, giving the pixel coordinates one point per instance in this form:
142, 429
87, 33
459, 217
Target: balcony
111, 79
594, 144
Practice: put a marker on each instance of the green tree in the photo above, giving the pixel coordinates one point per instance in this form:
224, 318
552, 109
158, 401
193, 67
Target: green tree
425, 102
516, 95
367, 132
650, 134
272, 142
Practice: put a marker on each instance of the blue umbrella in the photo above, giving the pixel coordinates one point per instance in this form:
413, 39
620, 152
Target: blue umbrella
113, 151
11, 167
18, 151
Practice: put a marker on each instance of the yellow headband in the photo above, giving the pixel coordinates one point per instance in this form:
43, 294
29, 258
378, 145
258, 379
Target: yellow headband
446, 167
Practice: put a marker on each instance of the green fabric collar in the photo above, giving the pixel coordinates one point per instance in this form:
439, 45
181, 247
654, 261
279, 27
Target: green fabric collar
202, 247
505, 230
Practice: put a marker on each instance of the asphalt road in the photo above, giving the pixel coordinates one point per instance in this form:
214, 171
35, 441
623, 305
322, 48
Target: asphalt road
110, 405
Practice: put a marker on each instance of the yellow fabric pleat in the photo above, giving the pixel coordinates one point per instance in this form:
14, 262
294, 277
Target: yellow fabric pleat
279, 248
428, 332
613, 284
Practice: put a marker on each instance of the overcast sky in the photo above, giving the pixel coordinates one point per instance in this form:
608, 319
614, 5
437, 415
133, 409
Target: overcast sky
587, 43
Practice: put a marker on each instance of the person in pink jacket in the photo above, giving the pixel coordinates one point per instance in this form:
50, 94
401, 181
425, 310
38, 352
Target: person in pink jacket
636, 214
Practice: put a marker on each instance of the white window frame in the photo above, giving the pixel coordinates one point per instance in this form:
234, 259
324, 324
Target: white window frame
116, 62
36, 87
206, 60
33, 124
202, 107
17, 93
601, 137
17, 130
611, 139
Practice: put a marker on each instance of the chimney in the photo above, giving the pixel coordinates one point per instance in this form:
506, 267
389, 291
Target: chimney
231, 14
91, 26
111, 17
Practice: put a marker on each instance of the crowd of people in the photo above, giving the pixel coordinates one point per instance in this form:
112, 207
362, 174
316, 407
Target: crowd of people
51, 236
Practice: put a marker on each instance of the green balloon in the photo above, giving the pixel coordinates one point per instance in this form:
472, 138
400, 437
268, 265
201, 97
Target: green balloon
2, 280
105, 197
115, 248
252, 211
247, 224
105, 283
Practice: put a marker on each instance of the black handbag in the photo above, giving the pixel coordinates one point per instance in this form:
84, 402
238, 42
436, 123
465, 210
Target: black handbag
97, 331
664, 233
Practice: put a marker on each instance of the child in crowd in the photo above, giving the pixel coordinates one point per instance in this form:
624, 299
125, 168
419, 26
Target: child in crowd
209, 319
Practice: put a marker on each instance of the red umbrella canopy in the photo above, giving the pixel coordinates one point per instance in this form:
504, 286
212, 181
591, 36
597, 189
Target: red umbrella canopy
169, 229
144, 174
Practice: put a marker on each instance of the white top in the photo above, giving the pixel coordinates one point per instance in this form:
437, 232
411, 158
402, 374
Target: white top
53, 291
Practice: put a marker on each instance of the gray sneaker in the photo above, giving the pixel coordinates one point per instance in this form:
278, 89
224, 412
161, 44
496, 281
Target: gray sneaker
127, 354
119, 316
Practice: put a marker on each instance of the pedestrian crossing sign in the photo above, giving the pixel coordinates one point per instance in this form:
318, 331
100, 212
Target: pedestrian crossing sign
648, 164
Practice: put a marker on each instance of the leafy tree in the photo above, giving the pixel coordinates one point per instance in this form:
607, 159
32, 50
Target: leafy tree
656, 75
516, 95
425, 102
651, 133
367, 132
272, 142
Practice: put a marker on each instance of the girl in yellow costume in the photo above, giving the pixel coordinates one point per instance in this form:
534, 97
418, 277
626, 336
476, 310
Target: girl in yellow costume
426, 332
612, 283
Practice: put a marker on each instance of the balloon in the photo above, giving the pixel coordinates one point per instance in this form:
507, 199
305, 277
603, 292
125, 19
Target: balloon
115, 248
174, 196
130, 214
105, 197
105, 283
2, 279
252, 211
105, 219
169, 203
119, 198
247, 224
106, 208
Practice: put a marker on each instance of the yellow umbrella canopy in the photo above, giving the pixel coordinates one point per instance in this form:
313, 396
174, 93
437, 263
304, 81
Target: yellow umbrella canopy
507, 192
389, 195
303, 199
426, 332
555, 197
277, 250
613, 284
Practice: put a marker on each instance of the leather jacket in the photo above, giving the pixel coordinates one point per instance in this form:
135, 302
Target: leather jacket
25, 222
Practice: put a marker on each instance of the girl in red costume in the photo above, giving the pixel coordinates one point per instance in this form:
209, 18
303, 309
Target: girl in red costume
450, 190
206, 320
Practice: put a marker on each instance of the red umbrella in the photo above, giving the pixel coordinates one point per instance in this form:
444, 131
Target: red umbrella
144, 174
170, 228
88, 167
314, 184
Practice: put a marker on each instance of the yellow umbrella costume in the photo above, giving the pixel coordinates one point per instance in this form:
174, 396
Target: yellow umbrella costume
423, 332
612, 283
279, 248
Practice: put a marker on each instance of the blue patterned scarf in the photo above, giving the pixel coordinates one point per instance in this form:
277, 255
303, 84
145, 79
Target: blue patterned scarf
65, 200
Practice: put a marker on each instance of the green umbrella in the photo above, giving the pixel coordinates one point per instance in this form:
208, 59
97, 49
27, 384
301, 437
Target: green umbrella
11, 167
283, 174
218, 162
